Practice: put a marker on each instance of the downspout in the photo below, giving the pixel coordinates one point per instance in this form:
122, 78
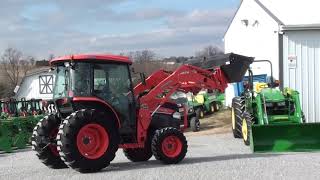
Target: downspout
280, 51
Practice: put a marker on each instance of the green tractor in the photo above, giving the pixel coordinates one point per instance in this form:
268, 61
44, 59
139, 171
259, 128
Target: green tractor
269, 119
206, 102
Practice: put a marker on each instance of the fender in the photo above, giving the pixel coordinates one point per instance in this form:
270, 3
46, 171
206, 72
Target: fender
98, 101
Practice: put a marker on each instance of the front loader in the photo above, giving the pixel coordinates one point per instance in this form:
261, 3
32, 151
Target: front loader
99, 110
271, 120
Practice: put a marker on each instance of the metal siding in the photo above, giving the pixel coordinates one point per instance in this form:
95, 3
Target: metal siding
305, 78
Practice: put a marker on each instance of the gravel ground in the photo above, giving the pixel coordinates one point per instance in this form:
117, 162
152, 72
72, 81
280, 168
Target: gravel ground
209, 157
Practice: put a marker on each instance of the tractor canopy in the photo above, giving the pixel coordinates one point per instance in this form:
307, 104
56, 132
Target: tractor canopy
102, 78
92, 58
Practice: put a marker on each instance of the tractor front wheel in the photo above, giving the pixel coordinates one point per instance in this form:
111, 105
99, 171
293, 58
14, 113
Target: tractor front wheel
246, 127
169, 145
236, 113
195, 124
88, 140
44, 141
200, 113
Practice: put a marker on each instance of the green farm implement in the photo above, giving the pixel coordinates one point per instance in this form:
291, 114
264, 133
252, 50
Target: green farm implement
269, 119
206, 102
17, 119
15, 132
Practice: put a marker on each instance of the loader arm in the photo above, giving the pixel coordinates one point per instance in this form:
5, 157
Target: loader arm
187, 78
154, 79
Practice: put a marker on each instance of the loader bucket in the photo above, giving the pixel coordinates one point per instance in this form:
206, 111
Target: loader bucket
285, 137
234, 66
237, 68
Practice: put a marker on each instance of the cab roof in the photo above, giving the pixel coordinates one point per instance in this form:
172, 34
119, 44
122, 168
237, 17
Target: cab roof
93, 58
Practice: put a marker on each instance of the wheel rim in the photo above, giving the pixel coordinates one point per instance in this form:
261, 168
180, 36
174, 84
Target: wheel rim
233, 119
217, 106
53, 147
244, 129
171, 146
198, 125
212, 108
201, 114
92, 141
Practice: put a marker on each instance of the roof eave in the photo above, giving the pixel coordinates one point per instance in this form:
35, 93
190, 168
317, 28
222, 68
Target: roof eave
300, 27
232, 19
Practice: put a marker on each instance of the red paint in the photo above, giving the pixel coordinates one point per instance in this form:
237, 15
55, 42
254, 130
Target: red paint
162, 84
92, 57
53, 147
171, 146
92, 141
94, 99
153, 80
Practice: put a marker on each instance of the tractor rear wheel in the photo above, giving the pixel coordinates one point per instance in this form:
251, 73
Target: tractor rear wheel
44, 141
195, 124
246, 127
87, 140
236, 113
169, 145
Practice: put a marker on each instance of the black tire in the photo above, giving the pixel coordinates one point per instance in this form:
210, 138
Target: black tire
216, 106
195, 124
247, 120
211, 108
236, 113
160, 137
140, 154
200, 113
43, 133
69, 132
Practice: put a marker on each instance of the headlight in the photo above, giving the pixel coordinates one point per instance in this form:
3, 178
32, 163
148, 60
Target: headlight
176, 115
281, 103
190, 110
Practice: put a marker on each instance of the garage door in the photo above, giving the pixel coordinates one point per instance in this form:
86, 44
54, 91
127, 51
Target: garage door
301, 69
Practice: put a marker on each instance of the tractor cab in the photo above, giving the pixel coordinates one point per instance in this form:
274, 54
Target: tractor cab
99, 82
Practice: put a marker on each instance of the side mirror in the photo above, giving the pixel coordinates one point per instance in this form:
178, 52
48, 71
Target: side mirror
143, 78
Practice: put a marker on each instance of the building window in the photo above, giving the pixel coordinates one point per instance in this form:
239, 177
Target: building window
46, 84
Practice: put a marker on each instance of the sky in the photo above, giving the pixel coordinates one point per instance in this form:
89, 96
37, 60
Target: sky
62, 27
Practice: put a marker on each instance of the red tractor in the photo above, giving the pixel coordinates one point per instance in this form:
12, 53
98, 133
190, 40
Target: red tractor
99, 111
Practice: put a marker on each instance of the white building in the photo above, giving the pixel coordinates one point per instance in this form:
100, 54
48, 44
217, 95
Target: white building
37, 84
287, 32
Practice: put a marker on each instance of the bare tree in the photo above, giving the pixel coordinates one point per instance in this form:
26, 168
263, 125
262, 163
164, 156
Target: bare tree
15, 66
27, 64
144, 56
209, 51
11, 60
